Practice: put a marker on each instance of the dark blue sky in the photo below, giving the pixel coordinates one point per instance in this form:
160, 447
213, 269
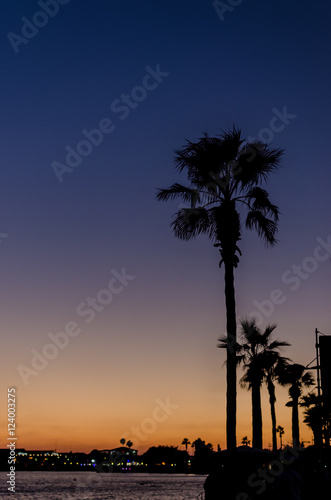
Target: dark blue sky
65, 238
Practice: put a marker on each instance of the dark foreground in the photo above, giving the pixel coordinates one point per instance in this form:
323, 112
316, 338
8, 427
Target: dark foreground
248, 474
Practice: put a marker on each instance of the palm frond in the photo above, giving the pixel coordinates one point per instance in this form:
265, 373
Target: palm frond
231, 144
255, 163
266, 228
188, 223
177, 190
258, 199
277, 344
250, 331
225, 343
310, 400
267, 333
308, 379
208, 162
244, 382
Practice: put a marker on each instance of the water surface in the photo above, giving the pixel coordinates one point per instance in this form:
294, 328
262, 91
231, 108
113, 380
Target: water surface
93, 486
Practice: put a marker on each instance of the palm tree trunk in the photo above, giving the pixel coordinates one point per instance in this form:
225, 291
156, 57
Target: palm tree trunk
318, 436
256, 416
272, 400
231, 366
295, 422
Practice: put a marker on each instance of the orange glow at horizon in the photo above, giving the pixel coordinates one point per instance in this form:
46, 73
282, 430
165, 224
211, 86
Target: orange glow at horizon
81, 417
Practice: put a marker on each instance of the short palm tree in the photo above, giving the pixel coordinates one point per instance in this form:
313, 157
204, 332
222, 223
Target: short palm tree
186, 442
280, 431
296, 379
223, 174
198, 443
245, 441
259, 354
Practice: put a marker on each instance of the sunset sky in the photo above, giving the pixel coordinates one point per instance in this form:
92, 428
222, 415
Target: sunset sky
149, 75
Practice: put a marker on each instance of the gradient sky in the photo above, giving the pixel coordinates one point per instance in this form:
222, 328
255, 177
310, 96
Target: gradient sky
61, 241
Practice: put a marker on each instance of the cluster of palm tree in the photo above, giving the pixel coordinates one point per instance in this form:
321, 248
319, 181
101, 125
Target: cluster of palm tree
129, 443
224, 193
317, 417
262, 361
197, 444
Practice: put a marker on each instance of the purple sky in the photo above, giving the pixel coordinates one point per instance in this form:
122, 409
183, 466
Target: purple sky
151, 75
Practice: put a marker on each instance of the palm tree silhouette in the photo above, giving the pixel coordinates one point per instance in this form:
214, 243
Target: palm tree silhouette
224, 173
295, 377
186, 442
197, 443
274, 364
260, 356
129, 444
315, 416
245, 441
280, 431
122, 441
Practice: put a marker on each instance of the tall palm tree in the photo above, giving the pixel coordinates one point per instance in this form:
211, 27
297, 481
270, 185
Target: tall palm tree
295, 377
224, 173
259, 354
253, 380
186, 442
273, 364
